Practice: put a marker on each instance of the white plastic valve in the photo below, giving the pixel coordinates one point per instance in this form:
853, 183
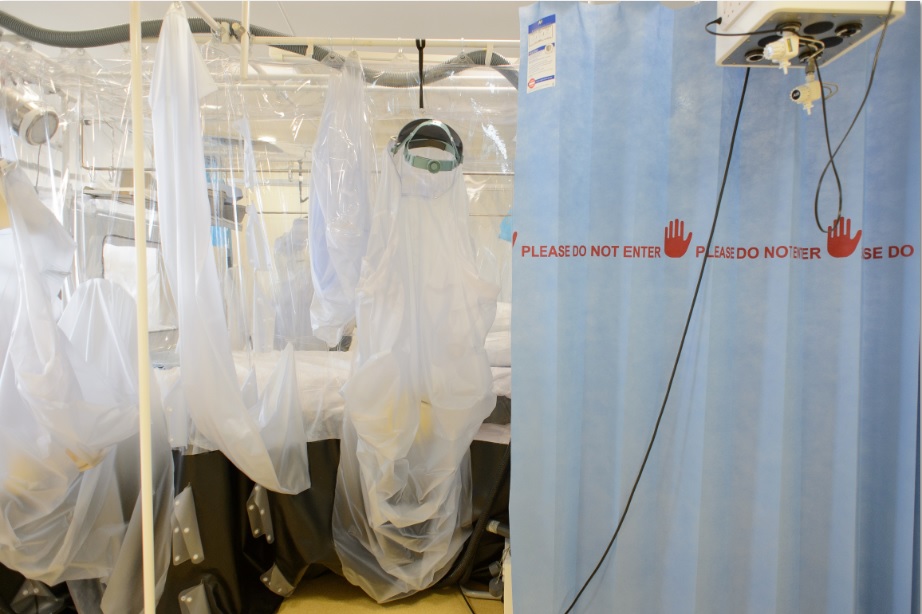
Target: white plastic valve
783, 50
808, 93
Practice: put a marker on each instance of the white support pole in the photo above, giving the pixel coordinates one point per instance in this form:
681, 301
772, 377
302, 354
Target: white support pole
144, 419
214, 25
381, 42
245, 43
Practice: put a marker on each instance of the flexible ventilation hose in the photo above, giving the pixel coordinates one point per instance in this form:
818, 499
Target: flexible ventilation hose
114, 35
83, 39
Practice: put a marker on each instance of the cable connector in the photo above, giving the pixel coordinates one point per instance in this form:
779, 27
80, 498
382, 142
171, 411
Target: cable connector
808, 93
783, 50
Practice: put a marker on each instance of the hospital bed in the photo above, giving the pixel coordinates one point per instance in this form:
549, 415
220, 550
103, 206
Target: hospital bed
321, 375
253, 570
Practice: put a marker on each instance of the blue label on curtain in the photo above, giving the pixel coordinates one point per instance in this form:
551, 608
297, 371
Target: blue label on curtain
542, 53
505, 228
220, 236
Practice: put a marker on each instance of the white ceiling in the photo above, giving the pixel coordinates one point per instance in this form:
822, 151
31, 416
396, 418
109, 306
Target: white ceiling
425, 19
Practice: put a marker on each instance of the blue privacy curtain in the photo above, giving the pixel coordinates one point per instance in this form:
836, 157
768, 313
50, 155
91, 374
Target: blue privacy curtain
783, 477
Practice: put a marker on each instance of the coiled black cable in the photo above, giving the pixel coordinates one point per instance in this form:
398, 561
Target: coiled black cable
832, 154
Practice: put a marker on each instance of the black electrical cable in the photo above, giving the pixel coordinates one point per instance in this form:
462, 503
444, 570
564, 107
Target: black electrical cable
675, 364
466, 600
720, 20
831, 162
835, 171
464, 567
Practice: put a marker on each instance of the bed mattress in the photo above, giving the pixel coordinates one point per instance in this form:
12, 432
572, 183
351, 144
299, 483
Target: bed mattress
322, 374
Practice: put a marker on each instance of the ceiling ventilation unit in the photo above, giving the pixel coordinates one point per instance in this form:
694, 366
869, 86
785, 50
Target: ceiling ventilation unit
841, 26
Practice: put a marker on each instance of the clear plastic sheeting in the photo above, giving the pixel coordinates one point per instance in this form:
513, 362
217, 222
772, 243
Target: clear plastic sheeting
342, 175
265, 278
295, 290
490, 201
86, 595
120, 266
320, 376
264, 438
420, 389
69, 491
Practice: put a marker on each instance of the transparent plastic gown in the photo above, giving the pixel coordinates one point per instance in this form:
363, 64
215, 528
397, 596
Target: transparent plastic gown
342, 173
69, 491
294, 291
262, 434
420, 389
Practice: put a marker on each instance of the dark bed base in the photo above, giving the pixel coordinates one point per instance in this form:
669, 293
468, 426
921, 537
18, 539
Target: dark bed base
303, 544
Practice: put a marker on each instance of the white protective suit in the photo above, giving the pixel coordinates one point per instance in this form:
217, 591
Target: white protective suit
420, 389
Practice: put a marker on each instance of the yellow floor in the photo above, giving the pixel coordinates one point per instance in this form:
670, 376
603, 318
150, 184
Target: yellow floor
330, 594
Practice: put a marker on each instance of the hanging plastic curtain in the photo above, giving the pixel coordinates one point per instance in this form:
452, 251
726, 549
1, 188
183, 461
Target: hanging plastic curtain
420, 389
784, 474
69, 493
342, 176
265, 277
295, 290
264, 434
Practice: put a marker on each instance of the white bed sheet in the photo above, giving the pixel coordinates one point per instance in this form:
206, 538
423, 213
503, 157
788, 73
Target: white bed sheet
321, 375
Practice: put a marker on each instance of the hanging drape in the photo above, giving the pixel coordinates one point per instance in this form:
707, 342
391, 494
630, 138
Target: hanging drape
783, 478
262, 434
69, 495
342, 185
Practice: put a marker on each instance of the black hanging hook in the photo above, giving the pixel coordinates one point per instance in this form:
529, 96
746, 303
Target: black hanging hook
301, 196
420, 45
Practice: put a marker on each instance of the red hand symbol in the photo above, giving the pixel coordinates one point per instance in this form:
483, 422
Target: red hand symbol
673, 243
839, 242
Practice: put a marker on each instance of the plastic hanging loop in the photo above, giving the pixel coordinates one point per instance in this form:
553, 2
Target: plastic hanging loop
433, 166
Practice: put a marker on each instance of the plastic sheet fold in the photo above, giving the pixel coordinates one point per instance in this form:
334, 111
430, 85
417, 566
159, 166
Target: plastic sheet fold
265, 440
